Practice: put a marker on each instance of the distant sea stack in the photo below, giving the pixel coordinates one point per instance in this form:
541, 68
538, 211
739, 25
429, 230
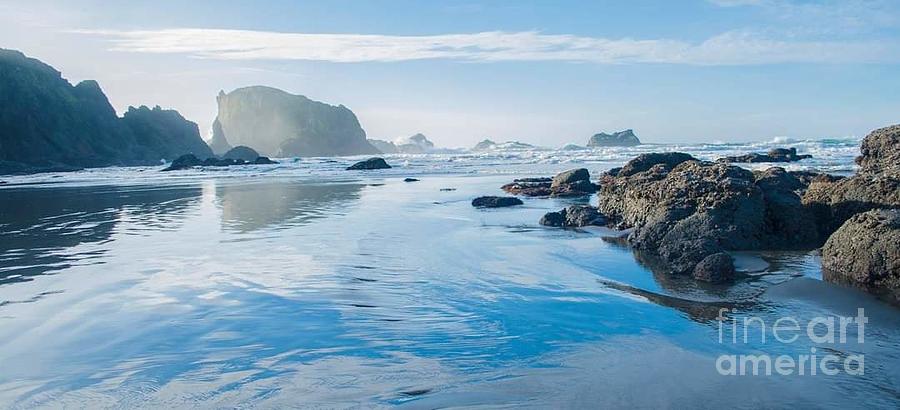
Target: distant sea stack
488, 145
415, 144
617, 139
276, 123
48, 124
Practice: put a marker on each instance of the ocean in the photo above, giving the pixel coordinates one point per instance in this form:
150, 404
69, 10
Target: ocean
304, 285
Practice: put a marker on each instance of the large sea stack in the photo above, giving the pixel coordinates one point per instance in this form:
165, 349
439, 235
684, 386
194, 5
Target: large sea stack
276, 123
46, 123
624, 138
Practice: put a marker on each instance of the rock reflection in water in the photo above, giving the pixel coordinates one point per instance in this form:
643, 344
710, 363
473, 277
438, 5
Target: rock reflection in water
280, 205
37, 225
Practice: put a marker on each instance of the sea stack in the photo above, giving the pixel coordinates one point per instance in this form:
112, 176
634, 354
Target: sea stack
277, 123
624, 138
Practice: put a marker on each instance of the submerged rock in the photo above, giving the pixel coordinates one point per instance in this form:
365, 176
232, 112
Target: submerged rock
496, 201
190, 160
865, 252
574, 216
184, 162
774, 155
371, 163
574, 182
715, 268
529, 187
624, 138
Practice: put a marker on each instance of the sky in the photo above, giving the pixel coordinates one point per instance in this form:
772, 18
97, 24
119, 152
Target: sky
543, 72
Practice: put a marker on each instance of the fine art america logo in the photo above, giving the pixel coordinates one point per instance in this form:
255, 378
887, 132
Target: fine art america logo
823, 331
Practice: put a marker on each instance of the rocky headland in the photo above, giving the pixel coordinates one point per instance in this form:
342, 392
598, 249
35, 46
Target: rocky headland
50, 125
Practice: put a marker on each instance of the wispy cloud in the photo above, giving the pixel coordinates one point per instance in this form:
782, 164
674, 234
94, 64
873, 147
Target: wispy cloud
731, 48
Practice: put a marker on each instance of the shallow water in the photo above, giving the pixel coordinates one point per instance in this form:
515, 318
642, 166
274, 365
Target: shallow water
303, 285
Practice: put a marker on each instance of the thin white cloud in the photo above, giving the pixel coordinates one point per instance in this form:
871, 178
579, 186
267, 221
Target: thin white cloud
732, 48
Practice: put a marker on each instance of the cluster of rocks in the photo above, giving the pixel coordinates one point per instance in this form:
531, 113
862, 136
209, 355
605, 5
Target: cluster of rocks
239, 155
686, 214
862, 210
575, 182
574, 216
774, 155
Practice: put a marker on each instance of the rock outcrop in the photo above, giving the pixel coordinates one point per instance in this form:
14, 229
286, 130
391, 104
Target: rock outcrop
241, 153
774, 155
49, 124
276, 123
574, 216
495, 201
187, 161
865, 252
617, 139
876, 185
371, 163
385, 147
574, 182
683, 211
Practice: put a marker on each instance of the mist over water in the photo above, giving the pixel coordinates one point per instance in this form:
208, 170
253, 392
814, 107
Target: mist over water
301, 284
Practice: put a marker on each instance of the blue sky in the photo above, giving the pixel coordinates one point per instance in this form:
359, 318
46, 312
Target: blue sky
548, 72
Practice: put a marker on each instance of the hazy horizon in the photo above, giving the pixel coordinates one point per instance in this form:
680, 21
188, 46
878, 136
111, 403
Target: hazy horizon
545, 73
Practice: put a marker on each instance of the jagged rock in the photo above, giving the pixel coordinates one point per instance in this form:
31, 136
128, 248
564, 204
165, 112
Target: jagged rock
386, 147
371, 163
190, 160
865, 252
496, 201
774, 155
644, 162
715, 268
219, 144
875, 186
570, 176
49, 125
617, 139
574, 182
684, 213
416, 144
574, 216
276, 123
529, 187
881, 152
242, 153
